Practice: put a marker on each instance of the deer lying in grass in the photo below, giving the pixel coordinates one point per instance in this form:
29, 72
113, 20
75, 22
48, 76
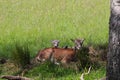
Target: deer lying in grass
60, 54
66, 55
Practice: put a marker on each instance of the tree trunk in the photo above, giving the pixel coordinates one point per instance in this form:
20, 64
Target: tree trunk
113, 56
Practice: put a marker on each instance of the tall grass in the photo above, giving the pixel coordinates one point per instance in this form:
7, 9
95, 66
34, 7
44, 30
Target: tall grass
21, 56
39, 22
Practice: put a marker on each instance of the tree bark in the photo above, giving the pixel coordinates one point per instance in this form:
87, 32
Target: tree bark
113, 56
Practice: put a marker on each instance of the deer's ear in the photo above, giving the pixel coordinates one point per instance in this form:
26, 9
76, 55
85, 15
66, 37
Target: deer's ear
72, 40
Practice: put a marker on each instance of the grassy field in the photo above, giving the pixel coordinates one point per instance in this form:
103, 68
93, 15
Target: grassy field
64, 74
37, 22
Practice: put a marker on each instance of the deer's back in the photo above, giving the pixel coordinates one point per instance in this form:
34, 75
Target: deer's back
45, 53
60, 53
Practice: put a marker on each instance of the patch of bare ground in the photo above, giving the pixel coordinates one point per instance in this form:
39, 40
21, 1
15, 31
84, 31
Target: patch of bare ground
98, 55
8, 68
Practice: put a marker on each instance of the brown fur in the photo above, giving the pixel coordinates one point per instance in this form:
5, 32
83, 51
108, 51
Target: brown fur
44, 54
64, 55
58, 54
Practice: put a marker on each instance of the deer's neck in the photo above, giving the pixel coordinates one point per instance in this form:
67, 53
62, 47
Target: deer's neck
75, 49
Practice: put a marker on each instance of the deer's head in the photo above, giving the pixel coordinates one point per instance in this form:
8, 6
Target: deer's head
78, 43
55, 43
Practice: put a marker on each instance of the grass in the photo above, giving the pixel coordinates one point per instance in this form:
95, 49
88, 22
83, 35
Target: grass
21, 56
37, 22
52, 72
48, 71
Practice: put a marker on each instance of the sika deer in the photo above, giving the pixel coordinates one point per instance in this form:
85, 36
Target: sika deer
60, 54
